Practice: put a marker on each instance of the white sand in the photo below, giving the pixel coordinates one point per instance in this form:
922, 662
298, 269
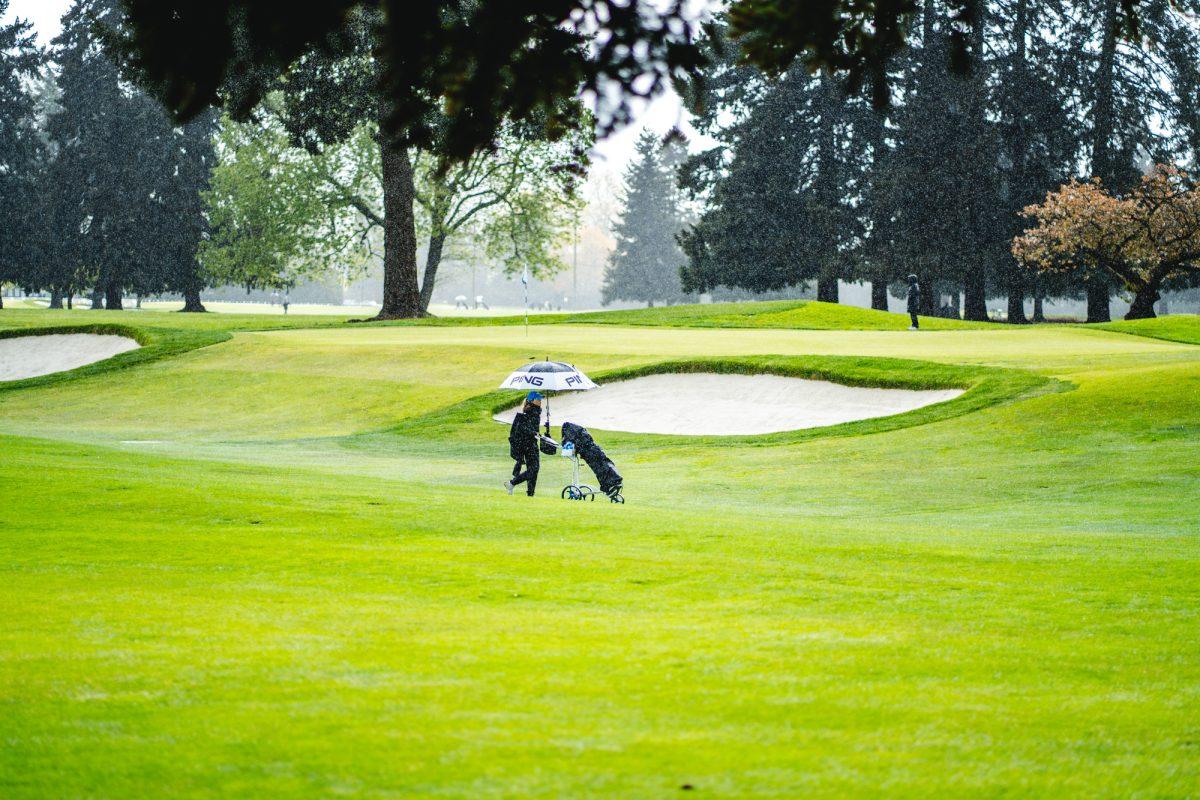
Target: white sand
727, 405
29, 356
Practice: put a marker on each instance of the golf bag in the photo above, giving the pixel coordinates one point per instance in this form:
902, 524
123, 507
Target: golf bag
589, 451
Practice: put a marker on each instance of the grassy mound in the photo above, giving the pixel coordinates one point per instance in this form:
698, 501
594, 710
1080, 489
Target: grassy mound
801, 314
156, 344
779, 314
1174, 328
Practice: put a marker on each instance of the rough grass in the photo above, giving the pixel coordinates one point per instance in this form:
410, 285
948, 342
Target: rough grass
298, 592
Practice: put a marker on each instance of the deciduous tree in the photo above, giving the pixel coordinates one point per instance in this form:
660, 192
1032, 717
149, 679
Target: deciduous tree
1143, 238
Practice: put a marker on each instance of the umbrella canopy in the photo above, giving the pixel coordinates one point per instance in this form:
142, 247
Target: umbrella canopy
552, 376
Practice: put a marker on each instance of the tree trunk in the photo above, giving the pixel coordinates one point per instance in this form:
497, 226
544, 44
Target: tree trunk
432, 259
827, 290
1097, 301
1019, 155
1103, 166
879, 295
928, 306
1039, 312
975, 296
97, 299
1143, 303
826, 182
112, 297
401, 296
1016, 300
1, 299
55, 297
191, 301
70, 300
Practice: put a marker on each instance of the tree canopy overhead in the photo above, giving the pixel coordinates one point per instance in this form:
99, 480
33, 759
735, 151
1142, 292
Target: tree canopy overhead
485, 61
481, 62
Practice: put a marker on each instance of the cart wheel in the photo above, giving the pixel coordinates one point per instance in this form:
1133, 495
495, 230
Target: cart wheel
616, 497
570, 493
586, 492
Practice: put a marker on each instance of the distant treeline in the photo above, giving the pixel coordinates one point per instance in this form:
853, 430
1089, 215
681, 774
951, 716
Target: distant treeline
813, 181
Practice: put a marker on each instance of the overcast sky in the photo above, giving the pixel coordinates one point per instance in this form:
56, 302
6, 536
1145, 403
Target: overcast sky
611, 155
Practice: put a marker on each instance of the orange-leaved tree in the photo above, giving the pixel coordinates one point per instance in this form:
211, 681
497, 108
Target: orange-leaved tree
1144, 238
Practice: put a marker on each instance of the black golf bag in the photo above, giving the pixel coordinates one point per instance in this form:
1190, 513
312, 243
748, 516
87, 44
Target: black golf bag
587, 449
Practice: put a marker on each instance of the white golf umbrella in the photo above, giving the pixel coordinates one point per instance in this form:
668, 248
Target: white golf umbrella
548, 376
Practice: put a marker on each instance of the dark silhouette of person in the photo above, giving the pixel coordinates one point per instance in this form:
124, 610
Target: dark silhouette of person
914, 301
523, 445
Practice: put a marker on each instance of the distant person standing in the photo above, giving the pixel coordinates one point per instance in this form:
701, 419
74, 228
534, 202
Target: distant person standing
287, 301
914, 301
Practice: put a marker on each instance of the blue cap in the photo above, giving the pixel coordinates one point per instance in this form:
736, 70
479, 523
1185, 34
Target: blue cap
533, 396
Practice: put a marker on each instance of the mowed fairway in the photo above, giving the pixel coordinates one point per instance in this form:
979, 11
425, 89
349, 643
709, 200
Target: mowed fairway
276, 566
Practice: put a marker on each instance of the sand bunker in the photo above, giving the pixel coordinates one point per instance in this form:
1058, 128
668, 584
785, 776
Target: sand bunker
30, 356
707, 404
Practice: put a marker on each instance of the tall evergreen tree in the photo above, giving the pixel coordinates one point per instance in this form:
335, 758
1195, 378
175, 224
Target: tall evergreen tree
646, 262
187, 160
19, 150
944, 171
122, 201
1030, 98
783, 187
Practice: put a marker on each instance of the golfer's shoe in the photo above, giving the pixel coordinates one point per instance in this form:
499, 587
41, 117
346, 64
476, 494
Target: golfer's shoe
508, 486
912, 327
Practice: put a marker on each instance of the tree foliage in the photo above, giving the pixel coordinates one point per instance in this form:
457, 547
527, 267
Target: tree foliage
117, 198
21, 151
1144, 237
646, 264
781, 187
282, 214
808, 184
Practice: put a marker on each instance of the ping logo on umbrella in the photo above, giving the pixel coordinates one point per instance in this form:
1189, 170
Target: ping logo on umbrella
549, 376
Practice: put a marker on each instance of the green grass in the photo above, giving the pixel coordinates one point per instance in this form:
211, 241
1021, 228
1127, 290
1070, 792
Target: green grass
804, 314
280, 564
1175, 328
779, 314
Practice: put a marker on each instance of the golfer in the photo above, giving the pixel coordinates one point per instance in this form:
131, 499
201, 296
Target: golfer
523, 445
914, 301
